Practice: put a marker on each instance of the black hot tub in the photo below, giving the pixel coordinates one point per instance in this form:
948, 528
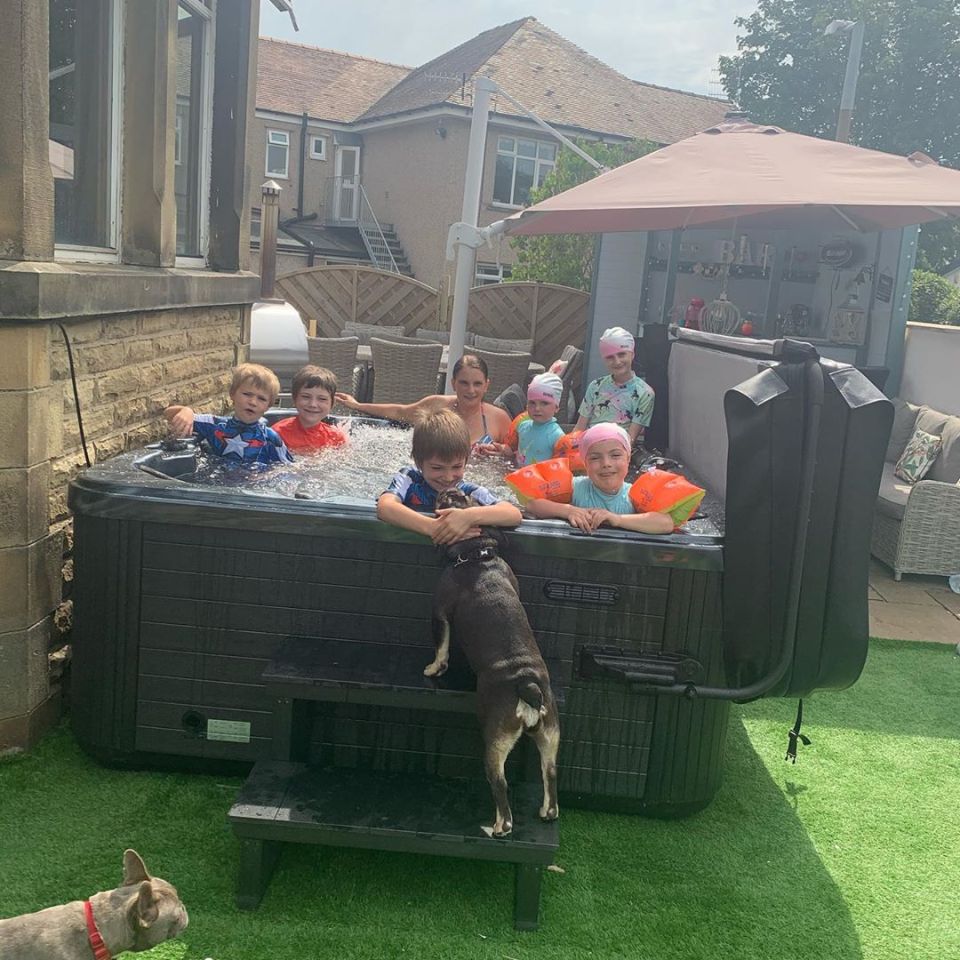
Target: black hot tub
184, 593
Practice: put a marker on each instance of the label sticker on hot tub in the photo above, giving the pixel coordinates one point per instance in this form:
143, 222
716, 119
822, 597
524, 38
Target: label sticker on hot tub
235, 731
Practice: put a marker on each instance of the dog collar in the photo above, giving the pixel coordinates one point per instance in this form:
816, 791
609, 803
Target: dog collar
99, 948
475, 555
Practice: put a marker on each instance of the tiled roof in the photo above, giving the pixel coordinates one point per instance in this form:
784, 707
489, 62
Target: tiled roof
292, 77
558, 81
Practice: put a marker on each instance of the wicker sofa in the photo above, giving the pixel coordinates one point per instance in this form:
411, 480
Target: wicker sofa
916, 528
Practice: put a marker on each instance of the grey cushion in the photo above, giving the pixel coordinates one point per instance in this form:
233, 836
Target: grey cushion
946, 467
501, 345
904, 420
931, 421
893, 495
367, 330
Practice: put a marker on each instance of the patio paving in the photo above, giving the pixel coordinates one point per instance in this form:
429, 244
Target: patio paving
916, 608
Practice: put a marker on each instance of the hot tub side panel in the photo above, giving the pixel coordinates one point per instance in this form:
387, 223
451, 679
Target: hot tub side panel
179, 621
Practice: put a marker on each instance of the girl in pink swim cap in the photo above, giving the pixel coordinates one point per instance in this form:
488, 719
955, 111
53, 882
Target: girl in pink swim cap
602, 497
621, 396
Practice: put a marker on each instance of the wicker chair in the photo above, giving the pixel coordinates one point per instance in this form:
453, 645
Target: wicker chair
404, 372
504, 369
916, 529
572, 378
339, 355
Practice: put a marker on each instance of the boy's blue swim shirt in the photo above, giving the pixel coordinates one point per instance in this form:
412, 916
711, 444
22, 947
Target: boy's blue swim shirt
412, 490
247, 442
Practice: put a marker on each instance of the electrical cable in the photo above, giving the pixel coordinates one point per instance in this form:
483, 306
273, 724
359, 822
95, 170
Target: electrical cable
76, 394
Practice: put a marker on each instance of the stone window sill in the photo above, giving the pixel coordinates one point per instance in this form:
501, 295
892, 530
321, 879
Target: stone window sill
49, 290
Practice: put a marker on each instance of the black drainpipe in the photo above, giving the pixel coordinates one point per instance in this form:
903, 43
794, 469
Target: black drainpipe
303, 163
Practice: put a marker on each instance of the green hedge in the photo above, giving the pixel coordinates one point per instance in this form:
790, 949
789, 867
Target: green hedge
934, 299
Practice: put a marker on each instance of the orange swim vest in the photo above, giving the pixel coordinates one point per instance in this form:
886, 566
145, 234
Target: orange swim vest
658, 491
569, 446
547, 480
511, 439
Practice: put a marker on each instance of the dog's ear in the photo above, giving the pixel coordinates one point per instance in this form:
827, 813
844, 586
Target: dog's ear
134, 869
147, 911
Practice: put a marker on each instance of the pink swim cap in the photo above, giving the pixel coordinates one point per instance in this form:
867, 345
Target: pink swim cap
615, 339
603, 431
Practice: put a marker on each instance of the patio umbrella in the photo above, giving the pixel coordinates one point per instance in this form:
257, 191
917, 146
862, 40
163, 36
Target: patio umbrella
755, 175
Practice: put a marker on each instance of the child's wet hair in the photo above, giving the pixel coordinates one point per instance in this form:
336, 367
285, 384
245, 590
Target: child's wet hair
440, 435
309, 377
260, 377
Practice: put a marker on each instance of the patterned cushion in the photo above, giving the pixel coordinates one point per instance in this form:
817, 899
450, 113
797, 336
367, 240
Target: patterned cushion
918, 456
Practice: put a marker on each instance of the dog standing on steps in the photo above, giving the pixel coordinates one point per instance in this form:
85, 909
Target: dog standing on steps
478, 601
136, 916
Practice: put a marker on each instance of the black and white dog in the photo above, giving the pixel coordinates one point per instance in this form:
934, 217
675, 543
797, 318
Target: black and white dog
477, 600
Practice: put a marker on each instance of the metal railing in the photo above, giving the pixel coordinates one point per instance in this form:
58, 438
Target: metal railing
373, 238
361, 216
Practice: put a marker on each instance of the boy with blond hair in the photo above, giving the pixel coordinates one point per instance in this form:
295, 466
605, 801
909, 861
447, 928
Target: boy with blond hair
441, 447
244, 436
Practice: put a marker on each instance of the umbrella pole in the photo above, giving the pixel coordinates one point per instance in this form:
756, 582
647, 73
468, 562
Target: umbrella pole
466, 253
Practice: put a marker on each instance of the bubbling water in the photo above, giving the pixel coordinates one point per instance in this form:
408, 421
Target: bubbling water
362, 468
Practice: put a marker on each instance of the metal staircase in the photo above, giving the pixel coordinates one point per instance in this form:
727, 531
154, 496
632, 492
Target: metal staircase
381, 241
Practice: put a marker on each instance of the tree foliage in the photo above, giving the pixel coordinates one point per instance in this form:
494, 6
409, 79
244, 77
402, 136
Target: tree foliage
568, 258
934, 299
908, 94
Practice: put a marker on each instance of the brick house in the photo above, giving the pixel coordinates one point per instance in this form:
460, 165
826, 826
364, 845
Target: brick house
124, 231
347, 137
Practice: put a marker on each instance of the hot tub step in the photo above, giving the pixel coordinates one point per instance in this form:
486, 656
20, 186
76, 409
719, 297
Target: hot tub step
386, 674
285, 802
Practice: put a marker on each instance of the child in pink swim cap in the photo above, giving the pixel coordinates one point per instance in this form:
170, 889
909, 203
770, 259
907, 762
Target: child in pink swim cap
602, 497
621, 396
535, 433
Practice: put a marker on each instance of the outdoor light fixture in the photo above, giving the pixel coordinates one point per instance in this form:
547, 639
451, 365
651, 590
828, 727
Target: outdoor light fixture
855, 28
441, 131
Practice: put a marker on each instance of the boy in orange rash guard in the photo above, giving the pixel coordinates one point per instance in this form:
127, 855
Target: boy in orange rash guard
313, 392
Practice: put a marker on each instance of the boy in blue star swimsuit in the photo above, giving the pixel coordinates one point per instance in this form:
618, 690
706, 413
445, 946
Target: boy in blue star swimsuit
244, 437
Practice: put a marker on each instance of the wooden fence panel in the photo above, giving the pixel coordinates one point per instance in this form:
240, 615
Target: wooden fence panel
332, 295
328, 296
551, 315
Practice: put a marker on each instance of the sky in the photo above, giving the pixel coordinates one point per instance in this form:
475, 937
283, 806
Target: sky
675, 45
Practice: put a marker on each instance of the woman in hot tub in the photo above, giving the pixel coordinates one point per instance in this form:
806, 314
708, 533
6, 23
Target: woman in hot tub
485, 422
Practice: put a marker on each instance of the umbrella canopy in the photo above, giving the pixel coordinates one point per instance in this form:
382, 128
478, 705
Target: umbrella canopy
753, 174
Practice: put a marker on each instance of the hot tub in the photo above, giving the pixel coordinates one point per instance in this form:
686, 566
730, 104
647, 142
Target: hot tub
183, 594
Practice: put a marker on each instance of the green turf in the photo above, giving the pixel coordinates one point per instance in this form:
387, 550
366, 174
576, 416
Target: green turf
854, 852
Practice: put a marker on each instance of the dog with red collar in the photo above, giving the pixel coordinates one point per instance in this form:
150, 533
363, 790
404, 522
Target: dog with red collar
477, 601
136, 916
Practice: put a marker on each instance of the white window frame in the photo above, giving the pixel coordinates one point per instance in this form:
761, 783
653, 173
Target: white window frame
206, 11
314, 153
266, 154
111, 252
538, 163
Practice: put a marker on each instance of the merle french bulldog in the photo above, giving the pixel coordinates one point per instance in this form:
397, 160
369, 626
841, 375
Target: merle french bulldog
478, 601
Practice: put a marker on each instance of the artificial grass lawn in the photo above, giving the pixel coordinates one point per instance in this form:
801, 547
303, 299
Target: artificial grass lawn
854, 852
